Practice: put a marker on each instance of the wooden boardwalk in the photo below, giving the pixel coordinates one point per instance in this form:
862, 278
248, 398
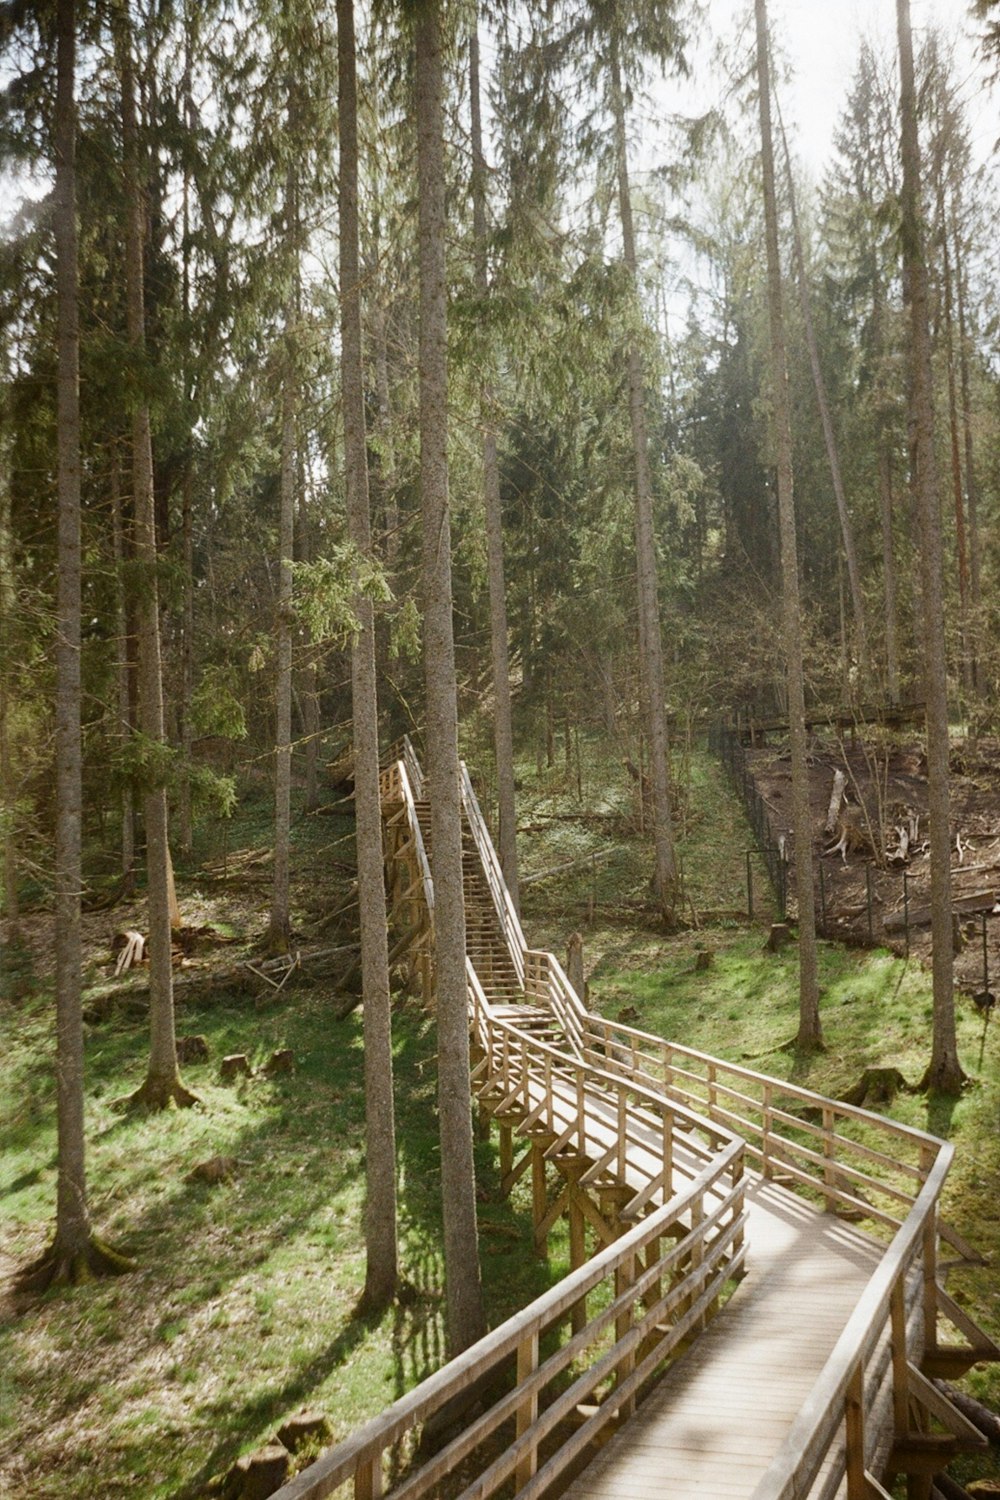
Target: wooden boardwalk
717, 1419
754, 1306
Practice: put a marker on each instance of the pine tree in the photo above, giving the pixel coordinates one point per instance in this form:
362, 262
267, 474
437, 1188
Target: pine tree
380, 1142
809, 1033
944, 1071
162, 1085
465, 1319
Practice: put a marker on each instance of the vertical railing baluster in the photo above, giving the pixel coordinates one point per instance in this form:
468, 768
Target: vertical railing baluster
527, 1411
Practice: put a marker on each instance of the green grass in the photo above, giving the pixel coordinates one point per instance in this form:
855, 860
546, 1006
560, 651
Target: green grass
243, 1306
242, 1309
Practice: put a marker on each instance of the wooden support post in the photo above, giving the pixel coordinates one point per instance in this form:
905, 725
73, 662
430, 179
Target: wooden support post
625, 1278
539, 1197
622, 1133
368, 1479
854, 1422
527, 1412
653, 1256
829, 1172
668, 1155
930, 1290
767, 1166
577, 1251
900, 1363
506, 1153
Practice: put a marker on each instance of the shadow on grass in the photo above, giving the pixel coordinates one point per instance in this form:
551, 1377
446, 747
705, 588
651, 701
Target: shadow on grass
268, 1406
223, 1300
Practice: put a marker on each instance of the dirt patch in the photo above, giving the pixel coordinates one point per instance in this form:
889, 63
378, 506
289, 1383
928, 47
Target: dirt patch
863, 896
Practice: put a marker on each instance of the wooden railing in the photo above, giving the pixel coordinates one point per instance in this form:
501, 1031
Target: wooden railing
510, 924
546, 1387
858, 1408
841, 1156
545, 983
627, 1133
847, 1159
671, 1128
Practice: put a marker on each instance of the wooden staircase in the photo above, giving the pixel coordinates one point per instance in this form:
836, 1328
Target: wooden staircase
727, 1333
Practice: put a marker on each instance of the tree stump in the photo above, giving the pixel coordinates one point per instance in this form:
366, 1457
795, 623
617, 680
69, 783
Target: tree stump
877, 1086
258, 1475
215, 1169
282, 1061
192, 1049
779, 937
235, 1065
703, 960
306, 1428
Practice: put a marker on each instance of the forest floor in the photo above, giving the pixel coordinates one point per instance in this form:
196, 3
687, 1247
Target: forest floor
243, 1307
864, 898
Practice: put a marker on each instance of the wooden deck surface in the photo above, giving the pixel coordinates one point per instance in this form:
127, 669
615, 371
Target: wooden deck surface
714, 1423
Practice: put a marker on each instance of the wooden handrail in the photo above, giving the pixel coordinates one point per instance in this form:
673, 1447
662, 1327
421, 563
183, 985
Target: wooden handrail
651, 1313
710, 1083
814, 1430
510, 924
677, 1126
546, 981
397, 786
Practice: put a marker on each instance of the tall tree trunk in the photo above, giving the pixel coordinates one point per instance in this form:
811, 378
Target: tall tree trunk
971, 483
958, 497
279, 929
465, 1317
380, 1140
650, 642
162, 1084
74, 1253
8, 790
826, 421
309, 674
883, 448
884, 468
503, 733
184, 810
809, 1033
123, 666
944, 1071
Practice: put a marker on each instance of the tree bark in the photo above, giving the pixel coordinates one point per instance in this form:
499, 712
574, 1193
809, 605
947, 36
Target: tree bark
944, 1071
465, 1319
74, 1253
8, 791
72, 1215
503, 733
279, 927
971, 483
380, 1140
650, 642
958, 497
826, 421
124, 667
809, 1033
162, 1084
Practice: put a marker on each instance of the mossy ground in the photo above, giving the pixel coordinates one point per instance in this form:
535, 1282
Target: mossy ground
243, 1306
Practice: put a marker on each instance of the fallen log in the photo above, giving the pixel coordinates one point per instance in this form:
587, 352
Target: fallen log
192, 982
979, 1415
570, 864
920, 916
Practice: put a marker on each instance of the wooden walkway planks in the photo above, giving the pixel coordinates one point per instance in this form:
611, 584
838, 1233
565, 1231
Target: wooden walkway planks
715, 1422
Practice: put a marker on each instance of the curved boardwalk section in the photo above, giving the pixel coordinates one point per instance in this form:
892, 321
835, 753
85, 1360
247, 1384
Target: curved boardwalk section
753, 1306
